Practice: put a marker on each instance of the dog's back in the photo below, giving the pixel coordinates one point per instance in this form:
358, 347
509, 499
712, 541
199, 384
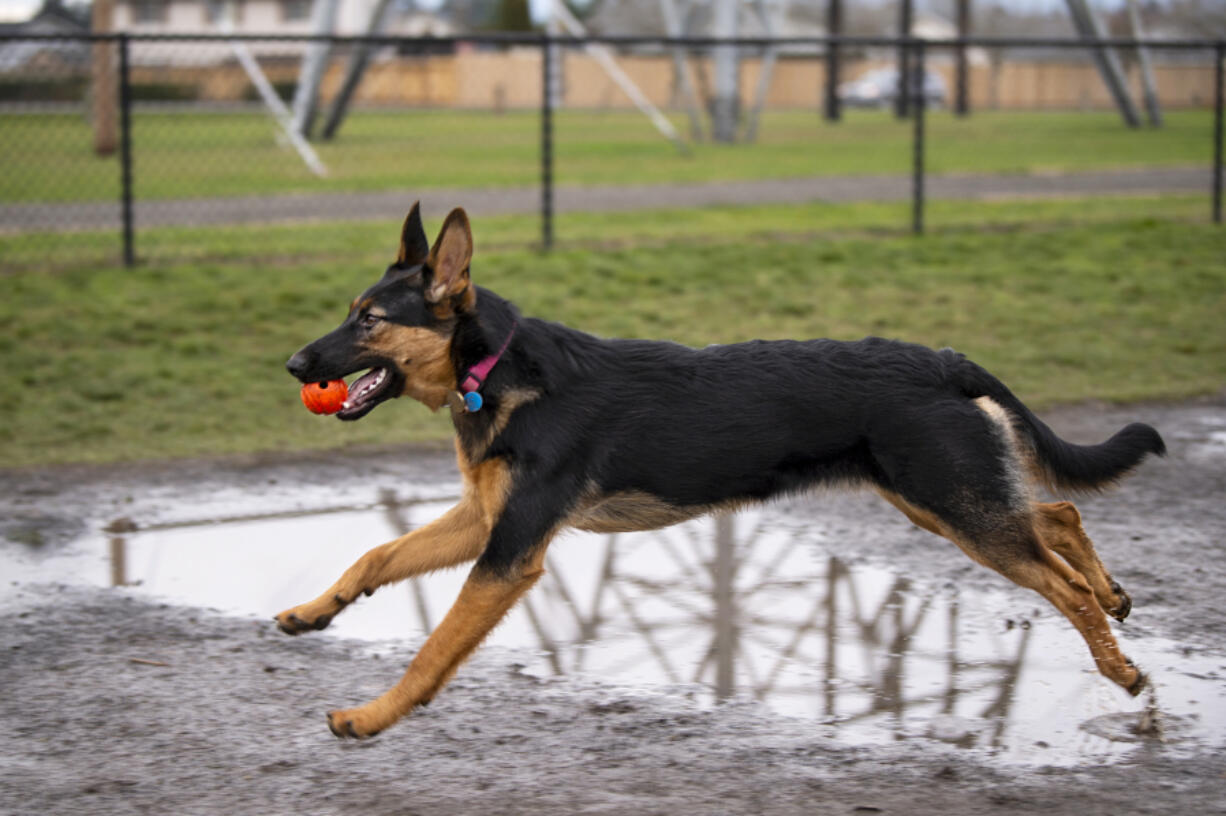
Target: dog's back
556, 428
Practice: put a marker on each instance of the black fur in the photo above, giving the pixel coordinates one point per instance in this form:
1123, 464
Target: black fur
633, 434
739, 422
1069, 466
748, 421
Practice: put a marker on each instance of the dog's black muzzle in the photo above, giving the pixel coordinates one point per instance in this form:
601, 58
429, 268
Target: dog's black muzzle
300, 364
331, 357
303, 364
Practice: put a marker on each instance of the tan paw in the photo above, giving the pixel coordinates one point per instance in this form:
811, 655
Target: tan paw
297, 620
313, 616
354, 723
1123, 603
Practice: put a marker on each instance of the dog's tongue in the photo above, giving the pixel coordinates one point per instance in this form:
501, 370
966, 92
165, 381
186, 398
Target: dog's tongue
364, 386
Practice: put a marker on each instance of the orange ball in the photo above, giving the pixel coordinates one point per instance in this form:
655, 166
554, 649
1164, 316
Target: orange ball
324, 397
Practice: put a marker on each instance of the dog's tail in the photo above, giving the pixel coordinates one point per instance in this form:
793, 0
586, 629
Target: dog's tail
1058, 463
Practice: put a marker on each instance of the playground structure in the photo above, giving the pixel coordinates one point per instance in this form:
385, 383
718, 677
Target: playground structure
716, 35
711, 22
719, 96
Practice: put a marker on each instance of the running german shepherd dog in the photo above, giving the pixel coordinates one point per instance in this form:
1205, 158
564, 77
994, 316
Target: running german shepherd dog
556, 428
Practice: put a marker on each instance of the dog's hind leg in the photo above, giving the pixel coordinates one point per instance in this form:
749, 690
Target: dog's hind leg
1068, 590
1016, 550
961, 476
1059, 527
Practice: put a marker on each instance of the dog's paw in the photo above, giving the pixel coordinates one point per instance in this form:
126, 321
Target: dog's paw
1123, 605
316, 615
353, 723
1140, 681
297, 620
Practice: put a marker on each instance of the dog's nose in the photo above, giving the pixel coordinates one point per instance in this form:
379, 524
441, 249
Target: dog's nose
299, 364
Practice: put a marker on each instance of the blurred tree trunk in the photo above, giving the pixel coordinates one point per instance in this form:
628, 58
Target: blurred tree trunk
962, 69
102, 82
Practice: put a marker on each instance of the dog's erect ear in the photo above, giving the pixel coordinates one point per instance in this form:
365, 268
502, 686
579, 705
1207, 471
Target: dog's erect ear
414, 248
450, 257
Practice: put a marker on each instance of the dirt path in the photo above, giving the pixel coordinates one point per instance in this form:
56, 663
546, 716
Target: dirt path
603, 198
120, 704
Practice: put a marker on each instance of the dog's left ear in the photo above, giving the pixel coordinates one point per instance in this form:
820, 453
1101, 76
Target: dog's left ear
450, 257
414, 248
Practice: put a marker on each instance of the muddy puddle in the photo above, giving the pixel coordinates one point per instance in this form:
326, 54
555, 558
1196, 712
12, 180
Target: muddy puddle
745, 607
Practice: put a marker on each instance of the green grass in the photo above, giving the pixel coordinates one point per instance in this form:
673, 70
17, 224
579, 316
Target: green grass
374, 240
185, 155
1116, 300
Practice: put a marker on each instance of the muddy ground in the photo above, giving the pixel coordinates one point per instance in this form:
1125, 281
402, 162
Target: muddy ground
118, 704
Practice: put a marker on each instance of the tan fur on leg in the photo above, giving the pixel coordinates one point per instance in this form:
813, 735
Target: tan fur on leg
1069, 592
1059, 526
482, 603
457, 536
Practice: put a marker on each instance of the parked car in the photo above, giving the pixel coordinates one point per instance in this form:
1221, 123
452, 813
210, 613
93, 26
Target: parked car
879, 87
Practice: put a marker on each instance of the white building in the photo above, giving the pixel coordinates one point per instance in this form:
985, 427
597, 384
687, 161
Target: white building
260, 17
251, 17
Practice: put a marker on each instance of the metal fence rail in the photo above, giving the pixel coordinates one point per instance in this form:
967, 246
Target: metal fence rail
914, 51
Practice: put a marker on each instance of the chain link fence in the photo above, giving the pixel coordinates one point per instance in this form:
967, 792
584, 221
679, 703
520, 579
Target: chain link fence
118, 146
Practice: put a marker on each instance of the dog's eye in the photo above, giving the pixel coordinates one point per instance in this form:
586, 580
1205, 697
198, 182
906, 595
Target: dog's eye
369, 320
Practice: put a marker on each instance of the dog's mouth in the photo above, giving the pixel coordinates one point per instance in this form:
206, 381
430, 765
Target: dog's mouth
366, 392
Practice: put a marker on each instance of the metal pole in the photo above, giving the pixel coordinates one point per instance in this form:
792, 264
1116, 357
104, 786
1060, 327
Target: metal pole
1108, 63
311, 71
358, 60
725, 61
1149, 90
834, 27
125, 152
770, 56
1219, 54
603, 56
546, 145
683, 83
918, 105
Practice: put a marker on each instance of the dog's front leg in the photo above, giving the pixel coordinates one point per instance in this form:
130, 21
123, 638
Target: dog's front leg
457, 536
483, 601
510, 564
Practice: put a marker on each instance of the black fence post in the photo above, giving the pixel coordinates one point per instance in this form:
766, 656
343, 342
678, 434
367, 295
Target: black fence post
917, 112
546, 143
125, 152
1219, 54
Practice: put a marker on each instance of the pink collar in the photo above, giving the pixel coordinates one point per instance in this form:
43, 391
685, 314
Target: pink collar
475, 378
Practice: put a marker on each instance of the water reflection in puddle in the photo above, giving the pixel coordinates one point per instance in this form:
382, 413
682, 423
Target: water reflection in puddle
728, 607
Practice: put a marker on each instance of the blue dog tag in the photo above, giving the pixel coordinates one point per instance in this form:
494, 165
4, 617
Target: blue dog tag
473, 402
